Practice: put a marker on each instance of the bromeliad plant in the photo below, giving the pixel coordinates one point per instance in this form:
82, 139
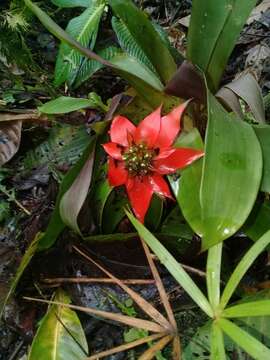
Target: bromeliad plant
216, 193
138, 157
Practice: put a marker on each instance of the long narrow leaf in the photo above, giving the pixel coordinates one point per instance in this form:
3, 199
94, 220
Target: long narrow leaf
217, 343
213, 275
251, 345
242, 268
172, 266
253, 308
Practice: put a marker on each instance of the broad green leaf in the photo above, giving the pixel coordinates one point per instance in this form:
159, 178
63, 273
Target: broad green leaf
232, 171
249, 343
73, 199
213, 269
172, 266
187, 188
144, 34
258, 221
217, 343
60, 335
129, 44
252, 308
242, 268
213, 32
71, 3
30, 252
66, 104
56, 224
89, 66
84, 29
263, 134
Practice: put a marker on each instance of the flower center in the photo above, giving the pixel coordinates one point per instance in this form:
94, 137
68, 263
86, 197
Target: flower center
138, 159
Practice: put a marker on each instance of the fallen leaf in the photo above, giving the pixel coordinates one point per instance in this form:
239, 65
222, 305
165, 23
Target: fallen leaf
10, 138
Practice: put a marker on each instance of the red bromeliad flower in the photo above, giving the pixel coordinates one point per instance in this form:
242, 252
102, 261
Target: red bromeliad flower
139, 156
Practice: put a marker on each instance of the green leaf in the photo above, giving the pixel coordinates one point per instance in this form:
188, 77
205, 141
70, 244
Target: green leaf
89, 67
258, 221
84, 29
113, 211
66, 104
102, 191
30, 252
63, 146
129, 44
187, 187
213, 269
231, 177
252, 308
128, 68
71, 3
60, 334
217, 343
56, 224
263, 134
132, 66
144, 34
213, 32
73, 199
249, 343
154, 213
242, 268
172, 266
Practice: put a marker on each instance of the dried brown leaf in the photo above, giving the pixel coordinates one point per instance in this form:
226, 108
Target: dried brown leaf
10, 138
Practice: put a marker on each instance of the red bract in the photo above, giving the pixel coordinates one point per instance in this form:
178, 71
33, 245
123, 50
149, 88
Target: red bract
139, 156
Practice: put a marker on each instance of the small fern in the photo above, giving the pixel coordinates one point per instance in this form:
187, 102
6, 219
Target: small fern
129, 45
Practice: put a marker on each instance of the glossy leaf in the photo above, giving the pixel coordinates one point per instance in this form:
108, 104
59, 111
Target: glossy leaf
60, 334
56, 224
263, 134
258, 222
187, 188
228, 192
249, 343
172, 266
73, 199
10, 138
30, 252
71, 3
66, 104
213, 32
242, 268
99, 198
145, 36
84, 29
